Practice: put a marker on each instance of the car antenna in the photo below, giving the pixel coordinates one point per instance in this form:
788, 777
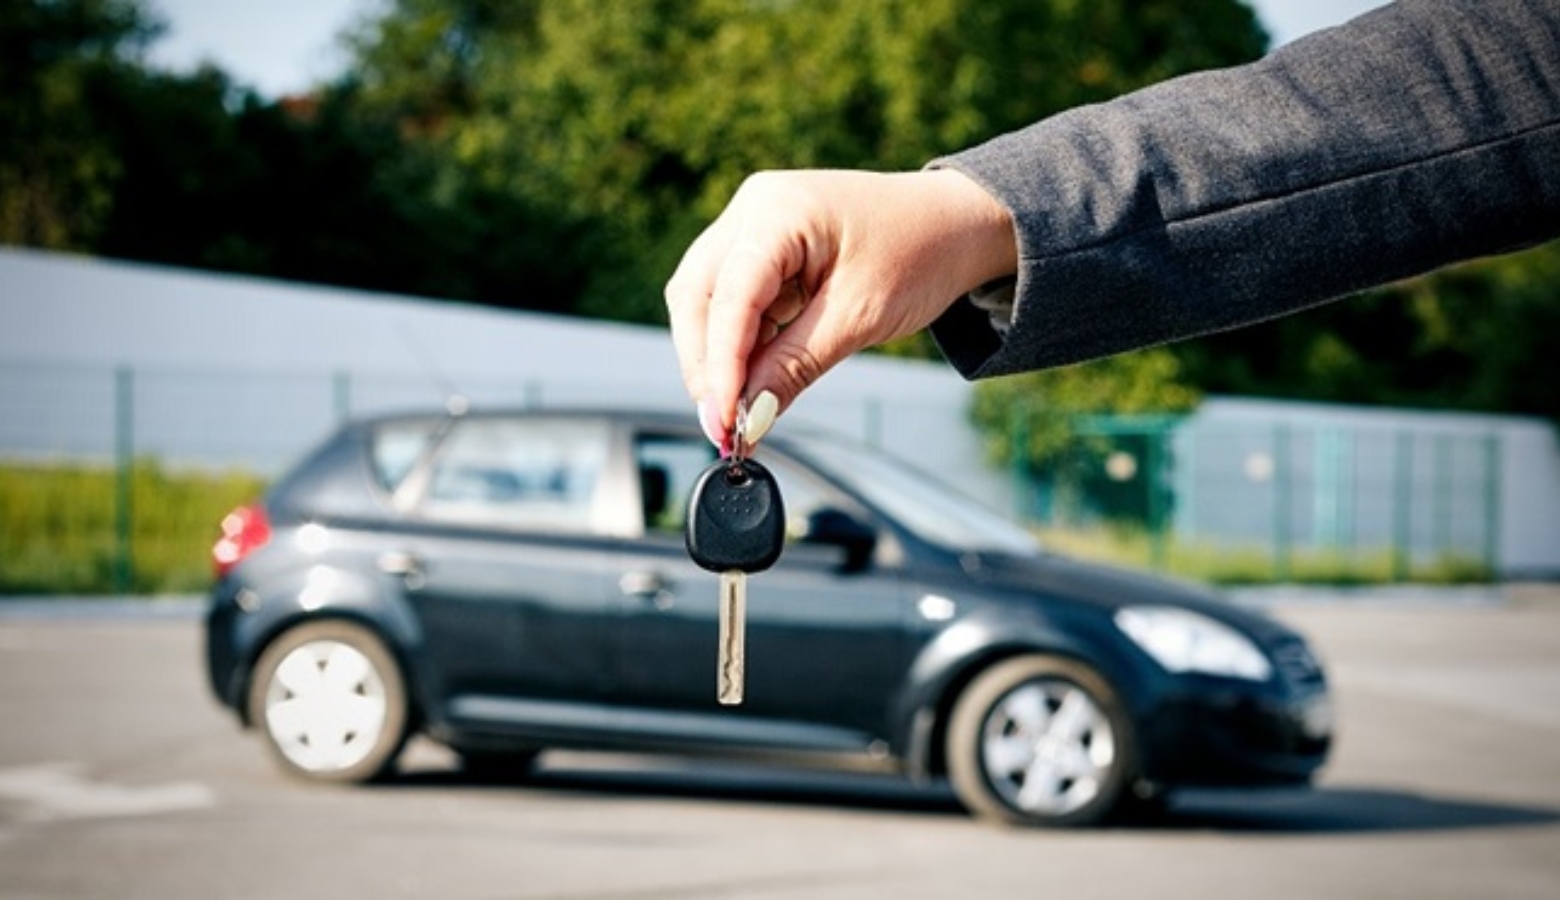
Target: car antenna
456, 403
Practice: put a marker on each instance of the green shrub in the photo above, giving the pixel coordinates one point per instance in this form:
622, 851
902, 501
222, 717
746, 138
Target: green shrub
61, 531
1258, 564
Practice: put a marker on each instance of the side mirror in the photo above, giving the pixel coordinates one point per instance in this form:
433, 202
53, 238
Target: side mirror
836, 528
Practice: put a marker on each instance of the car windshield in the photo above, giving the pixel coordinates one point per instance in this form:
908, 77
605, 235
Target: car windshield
928, 508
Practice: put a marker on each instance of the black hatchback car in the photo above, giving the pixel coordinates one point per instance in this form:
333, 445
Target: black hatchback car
507, 583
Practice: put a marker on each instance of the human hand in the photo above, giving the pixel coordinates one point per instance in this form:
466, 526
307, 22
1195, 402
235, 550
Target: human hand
804, 268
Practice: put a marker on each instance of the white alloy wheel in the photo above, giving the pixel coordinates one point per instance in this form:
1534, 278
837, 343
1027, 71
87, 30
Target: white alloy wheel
1047, 748
1039, 741
330, 701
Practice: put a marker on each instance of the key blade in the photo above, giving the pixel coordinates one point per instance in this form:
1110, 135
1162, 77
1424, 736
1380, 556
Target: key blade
731, 666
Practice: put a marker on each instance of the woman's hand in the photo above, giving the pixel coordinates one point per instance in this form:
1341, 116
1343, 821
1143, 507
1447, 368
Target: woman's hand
804, 268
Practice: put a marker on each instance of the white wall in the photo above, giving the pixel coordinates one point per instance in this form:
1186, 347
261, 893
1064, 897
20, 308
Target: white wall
230, 368
1527, 469
212, 330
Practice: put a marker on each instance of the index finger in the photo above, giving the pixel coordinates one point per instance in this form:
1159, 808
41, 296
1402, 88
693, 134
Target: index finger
749, 280
687, 304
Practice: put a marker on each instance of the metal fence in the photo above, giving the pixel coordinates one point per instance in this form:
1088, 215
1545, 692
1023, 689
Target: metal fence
1281, 501
1218, 501
92, 457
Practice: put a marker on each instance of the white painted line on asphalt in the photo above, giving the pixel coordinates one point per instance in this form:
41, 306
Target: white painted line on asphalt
60, 791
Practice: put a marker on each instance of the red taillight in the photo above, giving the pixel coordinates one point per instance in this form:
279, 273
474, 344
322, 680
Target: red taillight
244, 530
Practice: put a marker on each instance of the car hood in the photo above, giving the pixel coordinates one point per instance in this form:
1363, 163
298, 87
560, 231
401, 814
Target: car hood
1061, 578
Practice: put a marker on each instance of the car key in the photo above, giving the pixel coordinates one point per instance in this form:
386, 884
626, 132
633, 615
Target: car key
735, 526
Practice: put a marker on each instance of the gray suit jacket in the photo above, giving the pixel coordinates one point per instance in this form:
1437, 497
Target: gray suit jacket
1421, 134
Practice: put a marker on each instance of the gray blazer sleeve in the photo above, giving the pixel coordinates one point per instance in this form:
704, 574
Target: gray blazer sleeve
1421, 134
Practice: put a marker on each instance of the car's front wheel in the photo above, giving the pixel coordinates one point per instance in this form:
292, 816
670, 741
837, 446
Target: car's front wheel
1038, 740
331, 702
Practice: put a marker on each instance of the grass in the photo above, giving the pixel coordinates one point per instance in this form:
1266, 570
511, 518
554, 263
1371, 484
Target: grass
60, 528
60, 534
1257, 564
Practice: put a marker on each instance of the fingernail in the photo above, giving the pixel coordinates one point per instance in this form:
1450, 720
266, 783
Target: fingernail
761, 416
710, 422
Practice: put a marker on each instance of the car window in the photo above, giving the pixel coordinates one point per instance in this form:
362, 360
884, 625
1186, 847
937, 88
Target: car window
533, 474
670, 465
917, 500
396, 449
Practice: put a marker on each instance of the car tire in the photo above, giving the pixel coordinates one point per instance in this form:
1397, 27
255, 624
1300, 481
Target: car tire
331, 703
1039, 741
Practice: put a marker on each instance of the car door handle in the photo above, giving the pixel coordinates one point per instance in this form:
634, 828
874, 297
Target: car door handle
650, 586
399, 562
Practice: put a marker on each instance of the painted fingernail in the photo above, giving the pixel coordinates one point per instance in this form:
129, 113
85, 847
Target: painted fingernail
710, 422
761, 416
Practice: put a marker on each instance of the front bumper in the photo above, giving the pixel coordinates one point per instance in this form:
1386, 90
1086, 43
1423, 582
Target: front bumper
1236, 736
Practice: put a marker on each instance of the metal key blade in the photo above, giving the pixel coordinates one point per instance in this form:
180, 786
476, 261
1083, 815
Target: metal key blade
730, 668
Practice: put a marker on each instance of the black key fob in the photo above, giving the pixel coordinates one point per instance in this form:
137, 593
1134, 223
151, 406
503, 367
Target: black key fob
736, 519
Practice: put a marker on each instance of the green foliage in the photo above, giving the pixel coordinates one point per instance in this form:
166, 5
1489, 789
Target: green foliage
560, 156
61, 535
550, 156
1031, 418
642, 118
1215, 564
57, 175
1479, 336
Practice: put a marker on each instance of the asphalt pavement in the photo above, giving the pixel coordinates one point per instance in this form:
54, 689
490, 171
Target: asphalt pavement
120, 777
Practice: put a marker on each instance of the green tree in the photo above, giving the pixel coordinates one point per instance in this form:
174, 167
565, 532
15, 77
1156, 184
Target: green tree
56, 175
1480, 336
1030, 423
642, 118
1030, 417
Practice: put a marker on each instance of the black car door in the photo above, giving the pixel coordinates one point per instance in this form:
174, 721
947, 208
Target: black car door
826, 648
506, 565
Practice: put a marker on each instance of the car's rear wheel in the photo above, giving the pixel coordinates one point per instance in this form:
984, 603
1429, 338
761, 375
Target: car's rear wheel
1038, 740
331, 702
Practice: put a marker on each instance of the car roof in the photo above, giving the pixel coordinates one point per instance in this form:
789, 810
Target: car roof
619, 414
642, 417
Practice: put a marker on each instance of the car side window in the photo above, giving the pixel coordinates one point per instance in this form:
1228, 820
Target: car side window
669, 465
535, 475
396, 449
804, 493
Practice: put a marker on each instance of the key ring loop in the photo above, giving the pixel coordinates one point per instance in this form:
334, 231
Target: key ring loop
739, 445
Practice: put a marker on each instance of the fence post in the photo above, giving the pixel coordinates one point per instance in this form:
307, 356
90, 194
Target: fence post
1442, 478
1402, 503
1185, 512
1282, 504
1154, 480
1492, 511
1022, 483
124, 459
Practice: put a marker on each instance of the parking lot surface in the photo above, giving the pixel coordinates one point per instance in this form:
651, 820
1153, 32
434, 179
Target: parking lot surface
119, 776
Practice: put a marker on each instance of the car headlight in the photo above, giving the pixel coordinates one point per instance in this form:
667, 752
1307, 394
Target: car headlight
1185, 641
